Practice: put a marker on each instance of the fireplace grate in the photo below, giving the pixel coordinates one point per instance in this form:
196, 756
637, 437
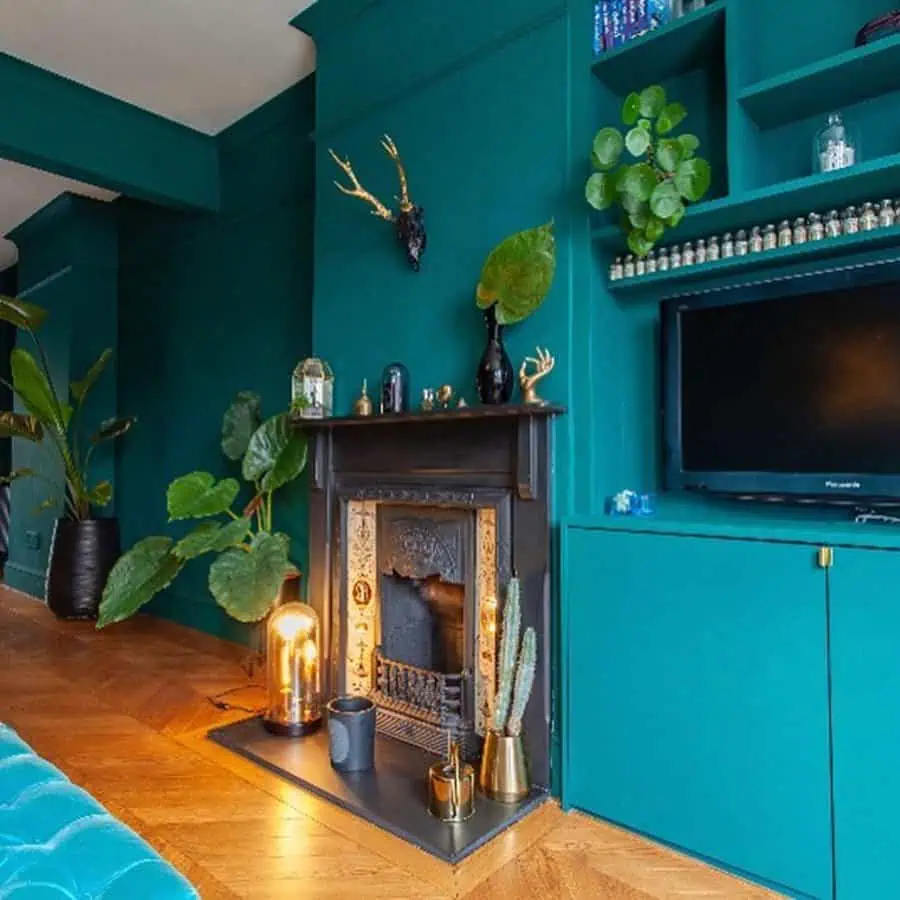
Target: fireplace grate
420, 706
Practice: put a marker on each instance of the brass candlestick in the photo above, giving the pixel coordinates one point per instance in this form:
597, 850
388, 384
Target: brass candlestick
543, 365
363, 404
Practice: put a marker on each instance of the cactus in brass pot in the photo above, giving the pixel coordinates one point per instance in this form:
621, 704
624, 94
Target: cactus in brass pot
516, 667
509, 645
524, 682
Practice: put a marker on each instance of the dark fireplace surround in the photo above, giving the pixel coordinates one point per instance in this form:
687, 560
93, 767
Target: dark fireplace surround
417, 522
437, 484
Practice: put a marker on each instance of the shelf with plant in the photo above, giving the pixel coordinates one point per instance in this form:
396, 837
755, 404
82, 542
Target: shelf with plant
650, 172
252, 558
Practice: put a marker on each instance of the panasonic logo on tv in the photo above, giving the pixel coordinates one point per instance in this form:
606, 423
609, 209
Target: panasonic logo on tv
843, 485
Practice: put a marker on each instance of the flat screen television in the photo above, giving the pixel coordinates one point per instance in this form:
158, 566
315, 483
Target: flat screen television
787, 390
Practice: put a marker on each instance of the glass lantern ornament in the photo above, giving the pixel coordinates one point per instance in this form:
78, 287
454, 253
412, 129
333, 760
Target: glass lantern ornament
312, 389
293, 692
836, 146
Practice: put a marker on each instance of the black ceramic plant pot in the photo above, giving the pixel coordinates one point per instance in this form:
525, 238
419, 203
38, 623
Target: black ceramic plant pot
81, 556
495, 376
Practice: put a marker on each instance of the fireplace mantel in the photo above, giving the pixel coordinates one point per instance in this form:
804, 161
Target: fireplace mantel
496, 460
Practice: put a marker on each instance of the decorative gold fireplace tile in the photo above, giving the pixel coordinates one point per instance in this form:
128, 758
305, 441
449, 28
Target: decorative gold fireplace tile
486, 635
363, 596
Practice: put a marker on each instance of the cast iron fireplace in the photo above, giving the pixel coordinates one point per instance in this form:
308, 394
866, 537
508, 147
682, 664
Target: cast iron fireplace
418, 520
417, 523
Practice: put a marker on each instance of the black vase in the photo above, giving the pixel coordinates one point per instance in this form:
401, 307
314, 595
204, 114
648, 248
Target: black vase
495, 376
81, 557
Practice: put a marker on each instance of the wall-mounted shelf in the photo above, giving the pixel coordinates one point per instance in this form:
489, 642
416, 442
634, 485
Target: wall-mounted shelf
690, 42
872, 180
829, 84
661, 284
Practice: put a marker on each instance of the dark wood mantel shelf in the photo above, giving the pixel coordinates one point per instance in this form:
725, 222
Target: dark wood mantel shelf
466, 413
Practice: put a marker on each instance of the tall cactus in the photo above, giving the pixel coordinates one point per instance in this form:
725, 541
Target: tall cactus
524, 682
509, 645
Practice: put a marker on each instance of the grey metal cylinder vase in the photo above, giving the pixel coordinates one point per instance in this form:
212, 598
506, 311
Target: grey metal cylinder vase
351, 733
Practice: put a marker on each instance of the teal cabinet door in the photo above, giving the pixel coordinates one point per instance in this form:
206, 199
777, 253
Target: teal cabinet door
697, 698
864, 590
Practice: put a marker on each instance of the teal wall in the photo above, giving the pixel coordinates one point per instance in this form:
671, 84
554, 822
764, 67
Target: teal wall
211, 304
68, 264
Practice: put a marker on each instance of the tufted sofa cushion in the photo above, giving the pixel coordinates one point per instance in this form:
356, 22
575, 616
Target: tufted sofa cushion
58, 843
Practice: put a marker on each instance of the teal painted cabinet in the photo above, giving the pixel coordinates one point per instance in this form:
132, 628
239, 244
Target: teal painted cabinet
697, 698
865, 670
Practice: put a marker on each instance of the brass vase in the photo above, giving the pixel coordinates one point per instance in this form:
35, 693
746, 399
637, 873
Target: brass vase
504, 771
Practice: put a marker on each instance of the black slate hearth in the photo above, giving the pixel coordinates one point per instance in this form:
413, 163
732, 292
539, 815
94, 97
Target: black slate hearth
392, 796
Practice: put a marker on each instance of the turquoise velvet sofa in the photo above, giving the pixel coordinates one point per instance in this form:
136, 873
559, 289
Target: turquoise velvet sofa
57, 842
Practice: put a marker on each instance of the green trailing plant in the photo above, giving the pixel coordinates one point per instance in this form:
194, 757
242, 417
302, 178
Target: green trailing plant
515, 668
518, 274
252, 559
54, 419
663, 173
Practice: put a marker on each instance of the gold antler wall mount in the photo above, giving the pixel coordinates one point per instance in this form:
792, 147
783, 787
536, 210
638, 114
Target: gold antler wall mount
409, 222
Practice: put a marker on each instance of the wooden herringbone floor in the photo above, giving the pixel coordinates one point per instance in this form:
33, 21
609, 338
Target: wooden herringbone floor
124, 714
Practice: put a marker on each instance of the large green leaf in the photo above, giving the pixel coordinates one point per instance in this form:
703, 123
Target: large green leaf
211, 537
670, 118
665, 200
276, 454
668, 154
80, 388
689, 144
22, 426
638, 243
21, 314
518, 273
141, 573
631, 108
101, 494
198, 494
637, 141
36, 392
241, 419
692, 178
246, 583
607, 148
654, 229
652, 101
599, 191
111, 429
638, 182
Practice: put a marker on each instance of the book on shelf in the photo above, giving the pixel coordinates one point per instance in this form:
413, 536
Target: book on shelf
618, 21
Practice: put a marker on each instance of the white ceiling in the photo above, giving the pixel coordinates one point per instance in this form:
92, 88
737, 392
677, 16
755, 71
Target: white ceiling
203, 63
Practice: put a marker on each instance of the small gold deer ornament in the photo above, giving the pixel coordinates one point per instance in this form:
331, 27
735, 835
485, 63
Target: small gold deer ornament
543, 365
409, 223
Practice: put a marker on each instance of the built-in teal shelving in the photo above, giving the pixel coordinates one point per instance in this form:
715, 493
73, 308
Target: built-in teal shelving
690, 42
665, 283
832, 83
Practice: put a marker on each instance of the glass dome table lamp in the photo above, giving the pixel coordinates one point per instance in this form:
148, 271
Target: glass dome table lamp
293, 693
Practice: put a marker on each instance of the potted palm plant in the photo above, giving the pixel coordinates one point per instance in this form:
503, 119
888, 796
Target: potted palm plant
84, 546
252, 561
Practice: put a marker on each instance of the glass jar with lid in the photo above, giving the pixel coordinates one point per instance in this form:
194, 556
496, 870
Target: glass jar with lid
836, 145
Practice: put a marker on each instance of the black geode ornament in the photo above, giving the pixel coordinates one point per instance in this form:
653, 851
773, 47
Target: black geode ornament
409, 223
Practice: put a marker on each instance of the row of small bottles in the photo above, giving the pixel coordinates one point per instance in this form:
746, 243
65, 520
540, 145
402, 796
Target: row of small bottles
814, 227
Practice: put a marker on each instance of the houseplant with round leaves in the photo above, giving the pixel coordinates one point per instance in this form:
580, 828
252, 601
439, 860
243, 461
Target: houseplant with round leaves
515, 280
649, 171
84, 545
252, 558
